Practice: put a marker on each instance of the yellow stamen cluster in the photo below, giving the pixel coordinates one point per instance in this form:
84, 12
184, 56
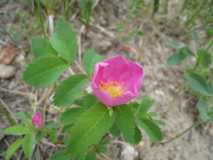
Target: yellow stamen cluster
114, 89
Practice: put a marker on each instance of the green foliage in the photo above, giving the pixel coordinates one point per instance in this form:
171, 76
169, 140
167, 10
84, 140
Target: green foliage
91, 156
85, 122
69, 116
70, 89
44, 71
133, 117
12, 148
86, 101
64, 41
180, 55
90, 59
144, 106
198, 84
204, 111
156, 6
23, 116
17, 130
135, 7
60, 155
145, 120
125, 122
151, 128
86, 9
53, 135
42, 47
209, 31
115, 131
138, 136
198, 76
89, 128
28, 144
198, 10
204, 58
102, 146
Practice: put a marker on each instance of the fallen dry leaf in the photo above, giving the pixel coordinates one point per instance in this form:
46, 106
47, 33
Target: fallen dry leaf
130, 49
7, 54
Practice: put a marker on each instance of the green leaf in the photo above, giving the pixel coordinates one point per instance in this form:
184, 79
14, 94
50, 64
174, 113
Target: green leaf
86, 7
138, 136
61, 155
125, 122
90, 127
205, 112
17, 130
175, 44
209, 31
23, 115
101, 147
86, 101
69, 116
42, 47
180, 55
44, 71
210, 113
53, 135
90, 156
204, 58
114, 130
70, 89
90, 59
202, 107
144, 106
152, 130
156, 6
40, 135
28, 145
64, 41
198, 83
12, 148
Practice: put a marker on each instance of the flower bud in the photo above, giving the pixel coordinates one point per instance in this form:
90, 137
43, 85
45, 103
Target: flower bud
37, 120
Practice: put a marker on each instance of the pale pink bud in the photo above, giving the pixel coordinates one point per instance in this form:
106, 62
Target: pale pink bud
37, 120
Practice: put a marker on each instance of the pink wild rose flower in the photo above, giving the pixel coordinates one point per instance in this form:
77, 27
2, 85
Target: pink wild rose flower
117, 80
37, 120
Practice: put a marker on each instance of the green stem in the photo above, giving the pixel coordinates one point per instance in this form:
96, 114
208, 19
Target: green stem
67, 7
41, 20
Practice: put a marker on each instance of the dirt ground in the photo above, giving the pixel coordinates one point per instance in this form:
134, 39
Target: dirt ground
163, 83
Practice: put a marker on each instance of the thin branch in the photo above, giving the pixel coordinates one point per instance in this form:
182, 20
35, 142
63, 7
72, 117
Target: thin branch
45, 95
71, 71
47, 143
196, 124
80, 67
82, 29
19, 93
50, 24
103, 30
102, 155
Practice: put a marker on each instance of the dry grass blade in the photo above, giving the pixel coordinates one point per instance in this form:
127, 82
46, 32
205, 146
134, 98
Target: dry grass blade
4, 109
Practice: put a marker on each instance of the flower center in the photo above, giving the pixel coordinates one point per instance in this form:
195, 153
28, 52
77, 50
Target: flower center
114, 89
